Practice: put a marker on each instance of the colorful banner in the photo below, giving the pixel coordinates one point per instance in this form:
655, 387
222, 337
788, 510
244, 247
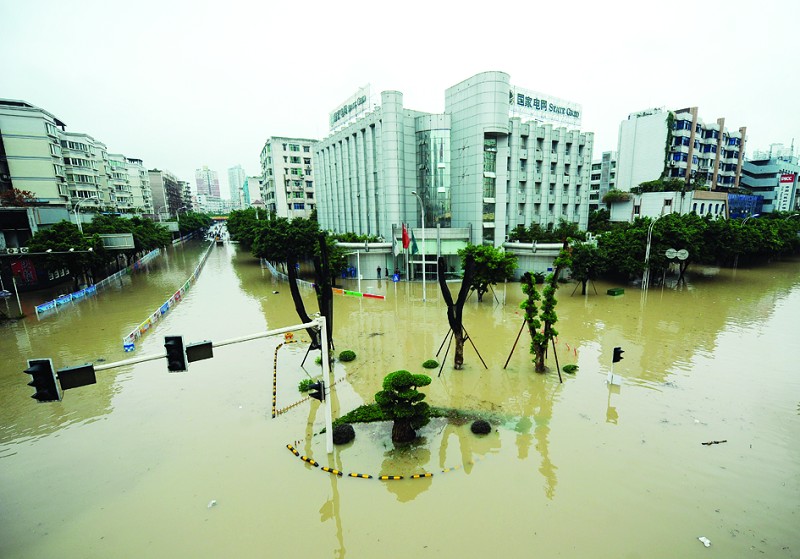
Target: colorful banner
128, 342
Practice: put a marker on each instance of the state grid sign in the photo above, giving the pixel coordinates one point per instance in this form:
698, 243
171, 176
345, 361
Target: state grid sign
532, 105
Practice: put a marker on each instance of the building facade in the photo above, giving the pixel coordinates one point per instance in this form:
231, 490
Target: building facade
251, 190
207, 182
166, 192
657, 143
602, 179
236, 177
498, 157
287, 176
774, 177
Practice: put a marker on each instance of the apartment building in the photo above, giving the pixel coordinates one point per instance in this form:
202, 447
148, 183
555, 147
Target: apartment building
287, 176
657, 143
602, 179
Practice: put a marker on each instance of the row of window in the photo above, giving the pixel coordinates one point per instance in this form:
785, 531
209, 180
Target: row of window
296, 147
78, 146
708, 134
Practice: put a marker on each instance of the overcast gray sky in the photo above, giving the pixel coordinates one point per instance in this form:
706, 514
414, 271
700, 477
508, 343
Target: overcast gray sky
182, 84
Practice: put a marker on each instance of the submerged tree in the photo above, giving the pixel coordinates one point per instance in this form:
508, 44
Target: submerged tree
586, 263
401, 402
454, 310
545, 317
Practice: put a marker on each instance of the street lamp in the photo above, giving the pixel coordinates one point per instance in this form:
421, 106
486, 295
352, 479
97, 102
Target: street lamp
422, 213
77, 209
749, 217
178, 218
646, 275
736, 258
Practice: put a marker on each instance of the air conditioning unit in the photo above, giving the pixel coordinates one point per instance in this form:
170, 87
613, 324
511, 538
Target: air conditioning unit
23, 250
12, 250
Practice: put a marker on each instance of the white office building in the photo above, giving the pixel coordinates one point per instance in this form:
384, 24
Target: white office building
498, 157
773, 175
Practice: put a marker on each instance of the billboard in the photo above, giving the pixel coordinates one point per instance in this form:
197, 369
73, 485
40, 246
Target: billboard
355, 106
532, 105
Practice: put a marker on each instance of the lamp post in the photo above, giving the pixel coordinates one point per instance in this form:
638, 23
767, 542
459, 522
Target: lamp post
77, 210
646, 275
736, 258
422, 213
178, 218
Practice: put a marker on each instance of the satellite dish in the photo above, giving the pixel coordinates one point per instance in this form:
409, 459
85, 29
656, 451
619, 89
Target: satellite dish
671, 252
683, 254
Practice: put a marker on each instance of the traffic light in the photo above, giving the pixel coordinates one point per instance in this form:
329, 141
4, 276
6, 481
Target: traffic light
44, 380
317, 391
176, 356
617, 354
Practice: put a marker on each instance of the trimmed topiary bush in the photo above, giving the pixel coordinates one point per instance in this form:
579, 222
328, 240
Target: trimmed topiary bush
481, 427
347, 355
570, 369
430, 364
401, 402
343, 434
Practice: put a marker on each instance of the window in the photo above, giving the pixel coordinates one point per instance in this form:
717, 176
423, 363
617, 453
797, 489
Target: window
298, 206
309, 184
306, 161
294, 147
294, 160
636, 209
306, 149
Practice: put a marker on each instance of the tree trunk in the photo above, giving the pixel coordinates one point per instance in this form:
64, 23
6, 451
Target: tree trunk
458, 356
583, 289
402, 431
539, 360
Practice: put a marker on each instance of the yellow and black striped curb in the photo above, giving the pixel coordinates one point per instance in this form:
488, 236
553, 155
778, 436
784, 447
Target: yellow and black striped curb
339, 473
288, 340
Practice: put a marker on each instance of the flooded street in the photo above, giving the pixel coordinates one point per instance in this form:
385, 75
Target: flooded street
148, 463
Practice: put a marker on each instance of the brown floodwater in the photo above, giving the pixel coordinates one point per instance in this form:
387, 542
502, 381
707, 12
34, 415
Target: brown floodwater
148, 463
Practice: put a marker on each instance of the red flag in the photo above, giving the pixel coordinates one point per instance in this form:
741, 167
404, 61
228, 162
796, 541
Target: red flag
406, 238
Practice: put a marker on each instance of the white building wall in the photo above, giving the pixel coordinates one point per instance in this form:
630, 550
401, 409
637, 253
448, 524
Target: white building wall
641, 148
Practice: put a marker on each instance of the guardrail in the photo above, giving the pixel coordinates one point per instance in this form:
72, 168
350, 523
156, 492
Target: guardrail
92, 289
129, 341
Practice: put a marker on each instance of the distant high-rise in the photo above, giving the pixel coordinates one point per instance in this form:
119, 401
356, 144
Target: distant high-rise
207, 181
236, 178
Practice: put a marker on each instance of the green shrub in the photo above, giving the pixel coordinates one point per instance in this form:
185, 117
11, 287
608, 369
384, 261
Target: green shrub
346, 356
430, 364
318, 360
305, 385
570, 369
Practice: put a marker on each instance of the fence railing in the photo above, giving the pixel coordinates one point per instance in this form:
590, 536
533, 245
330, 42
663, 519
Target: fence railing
62, 300
129, 341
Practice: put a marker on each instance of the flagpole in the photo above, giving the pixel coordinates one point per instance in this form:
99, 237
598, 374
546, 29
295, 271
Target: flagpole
422, 212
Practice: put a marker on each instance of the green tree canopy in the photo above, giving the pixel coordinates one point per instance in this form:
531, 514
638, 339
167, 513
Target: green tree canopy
492, 266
